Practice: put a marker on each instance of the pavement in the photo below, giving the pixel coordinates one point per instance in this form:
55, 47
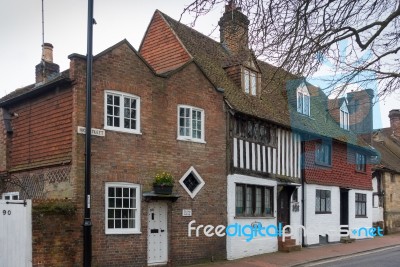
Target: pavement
315, 254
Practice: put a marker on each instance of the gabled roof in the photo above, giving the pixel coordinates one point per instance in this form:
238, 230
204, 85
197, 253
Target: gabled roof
277, 102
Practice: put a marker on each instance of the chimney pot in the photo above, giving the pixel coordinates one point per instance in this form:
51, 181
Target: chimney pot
394, 116
47, 52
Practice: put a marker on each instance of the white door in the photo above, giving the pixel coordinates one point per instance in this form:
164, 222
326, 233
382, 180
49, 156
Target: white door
157, 241
15, 233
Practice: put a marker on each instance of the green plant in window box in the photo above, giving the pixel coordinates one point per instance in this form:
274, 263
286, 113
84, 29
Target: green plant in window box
163, 183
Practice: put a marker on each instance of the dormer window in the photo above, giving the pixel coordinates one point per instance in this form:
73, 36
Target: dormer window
344, 116
250, 82
303, 100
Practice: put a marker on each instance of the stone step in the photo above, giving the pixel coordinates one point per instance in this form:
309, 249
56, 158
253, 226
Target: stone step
347, 239
287, 242
290, 248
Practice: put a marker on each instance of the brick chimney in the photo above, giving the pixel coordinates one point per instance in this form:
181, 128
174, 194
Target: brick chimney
234, 28
394, 116
360, 104
46, 69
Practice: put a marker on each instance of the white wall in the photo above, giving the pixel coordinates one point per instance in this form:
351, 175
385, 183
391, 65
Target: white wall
357, 223
321, 224
238, 247
296, 219
377, 212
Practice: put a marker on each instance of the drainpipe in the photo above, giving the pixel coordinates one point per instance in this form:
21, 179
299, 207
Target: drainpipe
87, 222
302, 174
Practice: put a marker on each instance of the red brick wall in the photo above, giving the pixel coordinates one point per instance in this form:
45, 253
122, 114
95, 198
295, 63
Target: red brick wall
42, 129
56, 238
161, 48
3, 142
136, 158
342, 172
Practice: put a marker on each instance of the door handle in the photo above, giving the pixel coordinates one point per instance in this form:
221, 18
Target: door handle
162, 231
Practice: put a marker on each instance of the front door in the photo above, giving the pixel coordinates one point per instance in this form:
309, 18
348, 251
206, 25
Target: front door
283, 205
344, 207
157, 241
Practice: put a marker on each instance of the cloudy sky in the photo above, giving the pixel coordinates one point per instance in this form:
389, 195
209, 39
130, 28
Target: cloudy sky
66, 26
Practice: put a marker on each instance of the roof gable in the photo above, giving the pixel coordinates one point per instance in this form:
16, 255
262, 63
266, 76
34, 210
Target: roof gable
160, 46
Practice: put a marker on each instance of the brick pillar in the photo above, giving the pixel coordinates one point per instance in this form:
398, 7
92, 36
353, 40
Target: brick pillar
394, 116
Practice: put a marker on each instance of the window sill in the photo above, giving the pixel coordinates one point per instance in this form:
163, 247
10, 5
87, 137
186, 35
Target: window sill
323, 212
123, 232
191, 140
254, 217
361, 172
361, 216
122, 131
323, 164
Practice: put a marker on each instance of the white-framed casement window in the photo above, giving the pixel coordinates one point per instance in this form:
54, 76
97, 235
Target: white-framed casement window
250, 82
344, 117
303, 100
10, 196
122, 112
190, 123
122, 202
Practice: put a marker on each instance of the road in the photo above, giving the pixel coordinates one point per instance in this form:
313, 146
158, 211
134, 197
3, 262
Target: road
384, 258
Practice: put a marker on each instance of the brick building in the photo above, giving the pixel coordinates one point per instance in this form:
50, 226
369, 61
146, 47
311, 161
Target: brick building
386, 175
206, 112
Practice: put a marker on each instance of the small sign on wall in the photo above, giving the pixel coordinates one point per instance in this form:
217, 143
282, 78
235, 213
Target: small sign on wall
186, 213
97, 132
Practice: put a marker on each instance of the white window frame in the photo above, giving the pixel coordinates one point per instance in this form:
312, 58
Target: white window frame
250, 79
302, 96
136, 229
11, 195
121, 116
344, 117
191, 138
198, 178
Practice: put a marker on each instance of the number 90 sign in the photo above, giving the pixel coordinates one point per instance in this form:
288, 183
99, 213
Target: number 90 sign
6, 212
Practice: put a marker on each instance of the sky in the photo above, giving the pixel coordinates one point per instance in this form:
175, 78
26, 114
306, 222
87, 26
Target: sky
65, 27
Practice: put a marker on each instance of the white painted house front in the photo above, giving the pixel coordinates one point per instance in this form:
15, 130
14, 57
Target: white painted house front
264, 189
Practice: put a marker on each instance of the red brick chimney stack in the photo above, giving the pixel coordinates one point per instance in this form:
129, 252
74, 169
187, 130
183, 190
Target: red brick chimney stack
394, 116
234, 29
46, 70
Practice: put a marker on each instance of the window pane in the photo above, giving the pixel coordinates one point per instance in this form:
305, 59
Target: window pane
239, 199
300, 102
111, 202
258, 201
306, 105
110, 213
126, 123
126, 102
267, 198
109, 99
253, 84
249, 201
116, 100
116, 122
246, 81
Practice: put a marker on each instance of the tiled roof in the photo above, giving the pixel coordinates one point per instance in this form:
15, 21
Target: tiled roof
277, 102
33, 88
388, 147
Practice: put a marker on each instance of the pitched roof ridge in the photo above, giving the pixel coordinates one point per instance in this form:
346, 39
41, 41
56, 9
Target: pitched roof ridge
168, 18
